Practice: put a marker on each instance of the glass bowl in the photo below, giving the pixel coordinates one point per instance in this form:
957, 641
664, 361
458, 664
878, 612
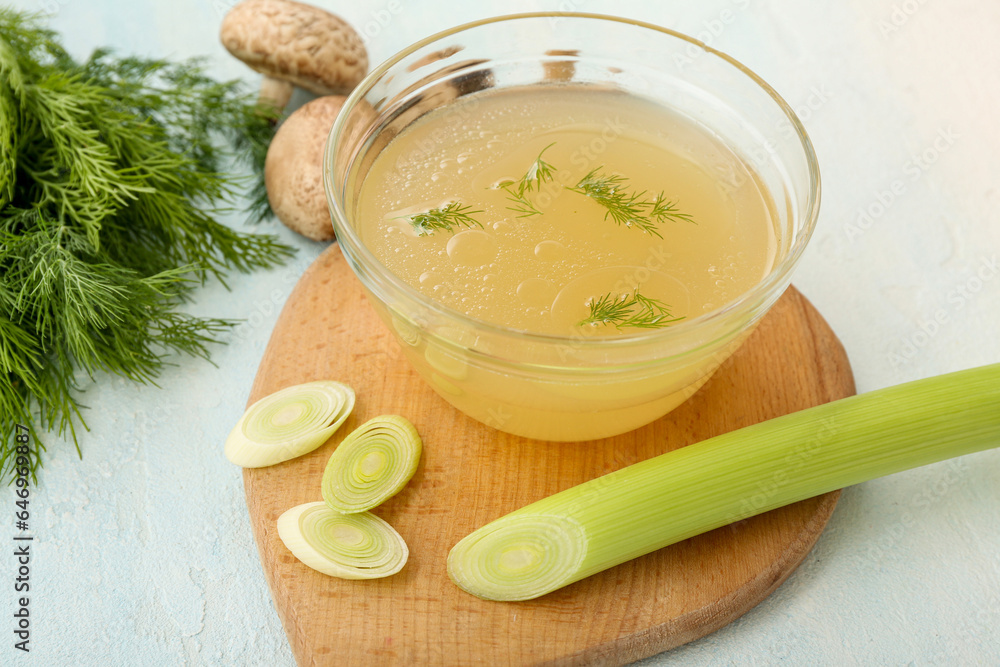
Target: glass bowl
570, 388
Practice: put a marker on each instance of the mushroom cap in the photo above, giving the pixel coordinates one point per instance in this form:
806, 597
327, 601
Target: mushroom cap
293, 169
305, 45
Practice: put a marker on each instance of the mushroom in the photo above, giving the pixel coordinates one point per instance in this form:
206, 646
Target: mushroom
294, 44
293, 169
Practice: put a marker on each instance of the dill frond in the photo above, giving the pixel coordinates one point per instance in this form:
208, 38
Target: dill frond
444, 218
628, 310
628, 209
538, 173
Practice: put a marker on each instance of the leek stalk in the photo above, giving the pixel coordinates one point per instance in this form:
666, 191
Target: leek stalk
644, 507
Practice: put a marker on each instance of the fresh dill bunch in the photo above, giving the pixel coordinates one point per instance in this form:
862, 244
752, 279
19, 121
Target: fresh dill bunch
445, 218
631, 209
113, 173
192, 110
628, 310
538, 173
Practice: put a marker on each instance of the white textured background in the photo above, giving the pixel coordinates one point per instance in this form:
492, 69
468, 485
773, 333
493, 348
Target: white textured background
143, 552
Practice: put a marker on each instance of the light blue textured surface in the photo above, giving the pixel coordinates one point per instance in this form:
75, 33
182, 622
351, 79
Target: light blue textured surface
143, 551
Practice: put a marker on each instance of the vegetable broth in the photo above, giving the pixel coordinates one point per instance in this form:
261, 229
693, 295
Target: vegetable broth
540, 272
539, 264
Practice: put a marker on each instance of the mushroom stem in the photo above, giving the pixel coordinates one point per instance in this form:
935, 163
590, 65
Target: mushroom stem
275, 92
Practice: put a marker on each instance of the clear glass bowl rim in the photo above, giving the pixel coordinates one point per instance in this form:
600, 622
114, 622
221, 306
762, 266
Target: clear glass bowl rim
747, 302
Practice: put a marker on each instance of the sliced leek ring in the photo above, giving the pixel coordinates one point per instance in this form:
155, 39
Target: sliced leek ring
348, 546
371, 465
289, 423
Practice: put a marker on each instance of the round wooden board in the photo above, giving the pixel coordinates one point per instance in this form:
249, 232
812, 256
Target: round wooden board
472, 474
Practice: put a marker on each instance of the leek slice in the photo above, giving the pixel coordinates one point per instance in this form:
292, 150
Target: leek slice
649, 505
371, 465
348, 546
289, 423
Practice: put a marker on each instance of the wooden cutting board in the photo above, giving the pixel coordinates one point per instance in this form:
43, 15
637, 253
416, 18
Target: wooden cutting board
471, 474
